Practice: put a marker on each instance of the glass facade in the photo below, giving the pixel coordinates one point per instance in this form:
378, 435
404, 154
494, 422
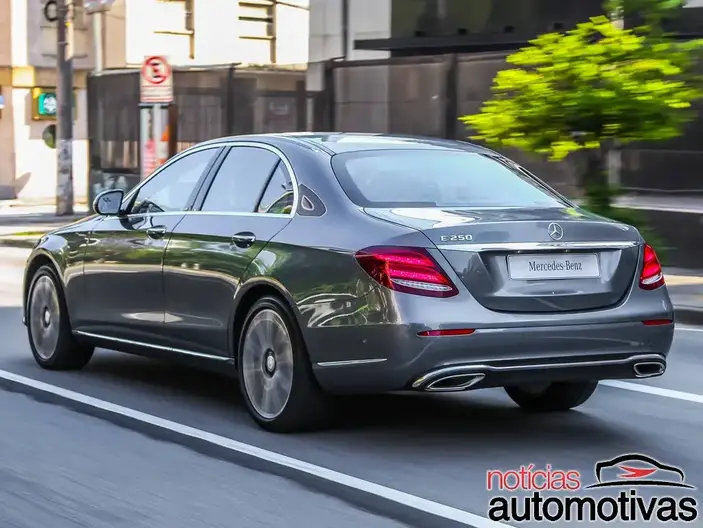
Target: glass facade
499, 20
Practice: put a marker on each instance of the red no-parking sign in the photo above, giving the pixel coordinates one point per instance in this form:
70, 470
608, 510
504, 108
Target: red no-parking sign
156, 80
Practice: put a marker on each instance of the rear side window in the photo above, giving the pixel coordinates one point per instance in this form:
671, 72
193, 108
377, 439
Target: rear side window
240, 180
278, 196
437, 178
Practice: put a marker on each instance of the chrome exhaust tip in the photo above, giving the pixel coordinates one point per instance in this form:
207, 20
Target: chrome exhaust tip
648, 369
454, 382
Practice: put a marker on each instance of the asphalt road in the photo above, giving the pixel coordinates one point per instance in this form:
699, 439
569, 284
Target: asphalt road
63, 469
77, 470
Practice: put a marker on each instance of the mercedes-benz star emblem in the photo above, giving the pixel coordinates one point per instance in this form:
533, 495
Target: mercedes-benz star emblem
555, 231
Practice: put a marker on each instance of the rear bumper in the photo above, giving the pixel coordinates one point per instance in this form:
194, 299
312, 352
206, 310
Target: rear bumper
392, 357
500, 374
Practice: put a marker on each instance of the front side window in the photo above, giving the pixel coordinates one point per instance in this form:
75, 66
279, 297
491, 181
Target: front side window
240, 180
437, 178
278, 196
171, 188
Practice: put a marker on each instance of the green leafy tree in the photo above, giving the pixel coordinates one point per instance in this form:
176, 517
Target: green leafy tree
593, 88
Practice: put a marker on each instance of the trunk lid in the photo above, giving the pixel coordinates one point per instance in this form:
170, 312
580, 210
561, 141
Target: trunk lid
509, 262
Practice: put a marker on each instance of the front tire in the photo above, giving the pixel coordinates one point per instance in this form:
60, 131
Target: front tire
50, 335
552, 397
275, 375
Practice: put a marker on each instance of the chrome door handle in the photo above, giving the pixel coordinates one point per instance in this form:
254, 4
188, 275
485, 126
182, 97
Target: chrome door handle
156, 232
244, 239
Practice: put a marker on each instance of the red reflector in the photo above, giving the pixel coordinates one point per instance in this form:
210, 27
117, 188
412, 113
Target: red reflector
453, 332
657, 322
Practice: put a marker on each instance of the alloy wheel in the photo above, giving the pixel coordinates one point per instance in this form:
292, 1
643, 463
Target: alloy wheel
44, 317
267, 363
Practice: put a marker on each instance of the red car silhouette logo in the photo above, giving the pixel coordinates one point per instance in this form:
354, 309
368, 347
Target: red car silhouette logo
639, 470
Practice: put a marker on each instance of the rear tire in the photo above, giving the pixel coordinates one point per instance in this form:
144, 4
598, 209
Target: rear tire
553, 397
51, 338
275, 375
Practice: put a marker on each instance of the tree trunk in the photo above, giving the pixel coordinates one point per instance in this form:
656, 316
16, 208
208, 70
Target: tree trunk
594, 181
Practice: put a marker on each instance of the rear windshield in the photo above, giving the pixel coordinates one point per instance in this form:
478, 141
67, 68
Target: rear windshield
437, 178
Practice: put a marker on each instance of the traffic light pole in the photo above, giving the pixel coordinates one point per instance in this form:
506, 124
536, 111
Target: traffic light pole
64, 115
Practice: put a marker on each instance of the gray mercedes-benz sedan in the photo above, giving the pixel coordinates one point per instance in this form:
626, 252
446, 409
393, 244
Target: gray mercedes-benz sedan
320, 264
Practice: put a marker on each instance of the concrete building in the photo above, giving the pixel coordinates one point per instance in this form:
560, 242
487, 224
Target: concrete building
378, 29
189, 32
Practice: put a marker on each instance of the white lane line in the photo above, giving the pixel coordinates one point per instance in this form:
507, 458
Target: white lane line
390, 494
654, 391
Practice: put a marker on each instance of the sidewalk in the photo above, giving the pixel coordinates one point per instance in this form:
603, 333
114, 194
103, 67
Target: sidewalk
687, 296
29, 219
678, 204
12, 216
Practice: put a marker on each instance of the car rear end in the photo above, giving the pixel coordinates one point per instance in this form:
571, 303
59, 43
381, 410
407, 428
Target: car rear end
514, 284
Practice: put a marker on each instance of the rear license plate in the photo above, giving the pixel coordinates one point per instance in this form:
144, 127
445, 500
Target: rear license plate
536, 267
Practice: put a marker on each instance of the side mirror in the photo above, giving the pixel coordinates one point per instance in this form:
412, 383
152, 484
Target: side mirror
108, 203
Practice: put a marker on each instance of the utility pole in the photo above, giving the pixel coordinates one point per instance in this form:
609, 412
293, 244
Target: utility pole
64, 115
98, 41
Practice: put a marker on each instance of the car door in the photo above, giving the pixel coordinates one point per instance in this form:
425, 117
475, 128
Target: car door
210, 250
124, 258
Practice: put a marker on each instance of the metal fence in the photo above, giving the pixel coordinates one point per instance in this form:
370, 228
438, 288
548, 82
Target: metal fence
414, 95
210, 102
427, 95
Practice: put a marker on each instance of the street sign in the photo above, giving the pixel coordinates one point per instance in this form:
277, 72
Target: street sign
50, 9
156, 81
45, 104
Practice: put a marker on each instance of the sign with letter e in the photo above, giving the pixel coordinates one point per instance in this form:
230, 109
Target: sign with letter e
156, 81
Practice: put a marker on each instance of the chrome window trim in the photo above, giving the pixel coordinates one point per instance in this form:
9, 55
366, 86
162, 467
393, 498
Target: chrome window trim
227, 213
538, 246
225, 144
207, 213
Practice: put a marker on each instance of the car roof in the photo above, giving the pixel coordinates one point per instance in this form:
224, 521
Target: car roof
339, 142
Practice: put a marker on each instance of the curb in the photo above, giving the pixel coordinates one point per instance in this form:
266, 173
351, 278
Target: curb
34, 219
689, 316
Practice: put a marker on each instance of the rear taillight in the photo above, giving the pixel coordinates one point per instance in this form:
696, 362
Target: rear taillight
408, 270
652, 276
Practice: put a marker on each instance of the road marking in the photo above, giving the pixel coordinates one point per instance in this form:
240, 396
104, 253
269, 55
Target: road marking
405, 499
654, 391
